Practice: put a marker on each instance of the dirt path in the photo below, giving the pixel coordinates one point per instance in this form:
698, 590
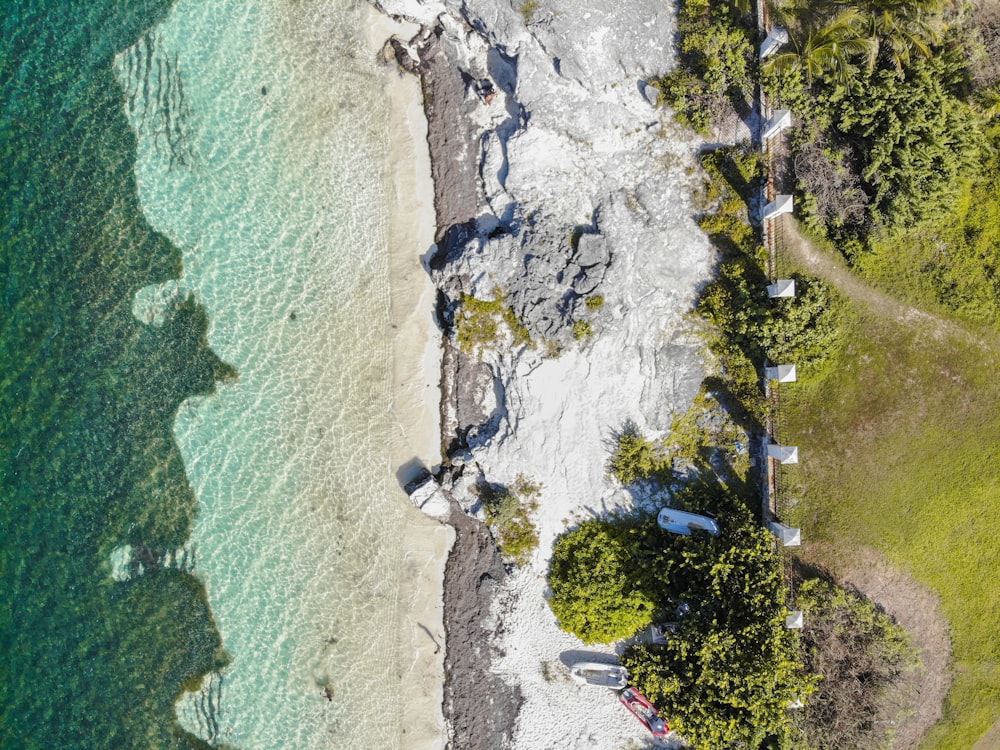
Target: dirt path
798, 248
917, 609
990, 740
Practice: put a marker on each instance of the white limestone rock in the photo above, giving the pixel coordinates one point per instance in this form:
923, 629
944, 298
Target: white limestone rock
431, 499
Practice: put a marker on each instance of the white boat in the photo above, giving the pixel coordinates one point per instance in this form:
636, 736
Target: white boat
682, 522
604, 675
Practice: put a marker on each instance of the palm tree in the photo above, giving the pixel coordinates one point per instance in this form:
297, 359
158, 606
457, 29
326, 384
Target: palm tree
830, 50
902, 28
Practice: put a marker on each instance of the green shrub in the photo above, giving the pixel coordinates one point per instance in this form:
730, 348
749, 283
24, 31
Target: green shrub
595, 303
528, 9
593, 580
582, 330
480, 323
635, 457
508, 512
716, 55
727, 675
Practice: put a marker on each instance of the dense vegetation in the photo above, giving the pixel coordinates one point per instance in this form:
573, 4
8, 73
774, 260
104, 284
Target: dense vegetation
750, 328
895, 159
894, 103
728, 673
862, 656
717, 56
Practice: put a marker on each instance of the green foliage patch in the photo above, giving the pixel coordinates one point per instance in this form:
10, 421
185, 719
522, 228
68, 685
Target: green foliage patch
593, 575
727, 674
508, 511
951, 263
635, 457
716, 59
750, 328
483, 323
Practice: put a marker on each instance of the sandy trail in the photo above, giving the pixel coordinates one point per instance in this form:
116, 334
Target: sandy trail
833, 269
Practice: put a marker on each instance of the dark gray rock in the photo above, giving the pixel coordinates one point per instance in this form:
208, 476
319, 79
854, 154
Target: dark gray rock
540, 273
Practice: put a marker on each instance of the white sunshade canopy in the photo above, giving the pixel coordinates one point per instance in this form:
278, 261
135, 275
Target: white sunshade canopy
781, 373
786, 454
781, 288
788, 536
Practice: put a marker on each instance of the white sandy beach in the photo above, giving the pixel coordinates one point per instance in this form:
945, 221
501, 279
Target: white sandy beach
416, 402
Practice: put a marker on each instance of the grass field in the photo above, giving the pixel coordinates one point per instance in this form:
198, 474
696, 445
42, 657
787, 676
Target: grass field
900, 449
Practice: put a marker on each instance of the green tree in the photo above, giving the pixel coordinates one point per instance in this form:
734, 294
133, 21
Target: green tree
725, 678
596, 581
902, 28
830, 51
917, 138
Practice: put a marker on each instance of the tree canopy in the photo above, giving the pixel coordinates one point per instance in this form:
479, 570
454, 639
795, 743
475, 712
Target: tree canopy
731, 668
597, 581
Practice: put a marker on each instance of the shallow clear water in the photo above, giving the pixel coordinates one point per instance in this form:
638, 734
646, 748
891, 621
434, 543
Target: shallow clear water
247, 424
262, 144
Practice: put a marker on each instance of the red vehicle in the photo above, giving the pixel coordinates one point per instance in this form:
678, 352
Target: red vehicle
644, 711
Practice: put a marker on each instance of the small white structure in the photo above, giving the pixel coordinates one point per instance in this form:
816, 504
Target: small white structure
782, 204
794, 620
785, 454
797, 703
781, 373
781, 288
781, 119
788, 536
777, 37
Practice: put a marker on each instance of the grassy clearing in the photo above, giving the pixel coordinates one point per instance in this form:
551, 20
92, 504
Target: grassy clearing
900, 452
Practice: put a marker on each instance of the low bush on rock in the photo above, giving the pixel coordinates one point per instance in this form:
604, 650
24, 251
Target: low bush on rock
635, 457
582, 330
716, 55
482, 323
508, 512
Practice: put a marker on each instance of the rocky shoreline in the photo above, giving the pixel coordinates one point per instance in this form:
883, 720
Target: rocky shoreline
557, 187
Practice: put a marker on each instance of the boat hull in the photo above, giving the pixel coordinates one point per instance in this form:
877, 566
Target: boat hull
609, 676
644, 711
682, 522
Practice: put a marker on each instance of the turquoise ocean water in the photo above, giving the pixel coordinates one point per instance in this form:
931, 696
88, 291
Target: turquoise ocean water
195, 385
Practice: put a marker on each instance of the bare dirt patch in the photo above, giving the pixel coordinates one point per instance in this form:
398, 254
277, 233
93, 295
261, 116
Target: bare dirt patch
914, 607
990, 740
